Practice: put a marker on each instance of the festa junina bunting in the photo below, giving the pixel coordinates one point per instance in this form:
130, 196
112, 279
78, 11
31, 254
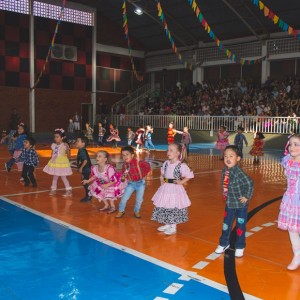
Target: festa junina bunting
234, 58
268, 13
52, 44
125, 27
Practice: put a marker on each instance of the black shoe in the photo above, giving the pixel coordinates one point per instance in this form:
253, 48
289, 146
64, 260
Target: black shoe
86, 199
34, 185
26, 184
7, 168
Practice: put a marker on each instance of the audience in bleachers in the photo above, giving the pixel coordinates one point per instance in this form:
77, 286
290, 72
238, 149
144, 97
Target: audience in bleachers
228, 98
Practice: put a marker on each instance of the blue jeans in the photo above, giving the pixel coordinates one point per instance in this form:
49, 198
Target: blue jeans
148, 144
240, 150
139, 187
100, 140
240, 214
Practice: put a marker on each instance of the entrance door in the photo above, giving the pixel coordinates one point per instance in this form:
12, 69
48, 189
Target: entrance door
86, 114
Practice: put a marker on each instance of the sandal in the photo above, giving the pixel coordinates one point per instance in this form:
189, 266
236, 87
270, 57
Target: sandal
111, 210
104, 208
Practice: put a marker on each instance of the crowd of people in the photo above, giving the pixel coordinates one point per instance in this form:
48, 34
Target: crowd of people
227, 98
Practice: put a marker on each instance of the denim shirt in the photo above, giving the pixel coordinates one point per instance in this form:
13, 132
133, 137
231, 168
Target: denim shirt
240, 185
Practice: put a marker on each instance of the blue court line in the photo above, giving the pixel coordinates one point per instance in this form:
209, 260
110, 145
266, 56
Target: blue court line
40, 259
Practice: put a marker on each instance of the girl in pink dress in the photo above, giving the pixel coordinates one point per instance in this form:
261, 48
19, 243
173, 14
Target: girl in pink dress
222, 141
114, 135
171, 200
106, 184
59, 164
289, 216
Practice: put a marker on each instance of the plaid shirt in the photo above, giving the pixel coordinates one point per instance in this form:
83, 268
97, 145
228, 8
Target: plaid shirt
240, 185
29, 157
133, 171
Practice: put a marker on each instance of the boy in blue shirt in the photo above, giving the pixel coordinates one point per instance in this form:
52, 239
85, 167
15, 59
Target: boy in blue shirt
239, 140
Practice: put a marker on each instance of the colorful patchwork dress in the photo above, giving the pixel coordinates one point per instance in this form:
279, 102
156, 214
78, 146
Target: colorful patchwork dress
171, 200
289, 216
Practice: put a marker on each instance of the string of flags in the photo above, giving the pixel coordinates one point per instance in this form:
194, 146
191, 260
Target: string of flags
125, 27
52, 43
161, 16
230, 55
275, 19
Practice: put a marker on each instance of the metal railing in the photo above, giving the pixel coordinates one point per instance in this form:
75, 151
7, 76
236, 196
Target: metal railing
131, 97
284, 125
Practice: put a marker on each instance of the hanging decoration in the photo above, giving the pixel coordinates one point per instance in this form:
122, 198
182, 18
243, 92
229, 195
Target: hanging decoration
125, 27
161, 16
276, 20
52, 43
230, 55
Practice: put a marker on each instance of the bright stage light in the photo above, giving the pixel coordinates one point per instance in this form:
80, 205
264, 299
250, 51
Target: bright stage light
138, 11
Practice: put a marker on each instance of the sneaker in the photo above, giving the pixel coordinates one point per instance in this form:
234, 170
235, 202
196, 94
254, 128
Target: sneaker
239, 252
163, 228
52, 192
67, 194
137, 215
7, 168
120, 214
170, 231
221, 249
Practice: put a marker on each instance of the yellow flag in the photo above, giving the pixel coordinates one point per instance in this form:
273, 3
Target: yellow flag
261, 5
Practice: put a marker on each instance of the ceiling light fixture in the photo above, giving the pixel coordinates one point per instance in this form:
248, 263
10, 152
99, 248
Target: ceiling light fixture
138, 11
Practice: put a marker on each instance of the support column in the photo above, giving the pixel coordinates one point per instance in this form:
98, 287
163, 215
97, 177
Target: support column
31, 70
265, 65
94, 63
198, 75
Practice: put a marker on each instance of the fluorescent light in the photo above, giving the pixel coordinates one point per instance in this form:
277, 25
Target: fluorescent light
138, 11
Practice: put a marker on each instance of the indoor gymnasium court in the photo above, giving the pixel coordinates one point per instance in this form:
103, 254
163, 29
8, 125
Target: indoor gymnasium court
146, 64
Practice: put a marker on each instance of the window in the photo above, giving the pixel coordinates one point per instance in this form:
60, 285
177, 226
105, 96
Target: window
19, 6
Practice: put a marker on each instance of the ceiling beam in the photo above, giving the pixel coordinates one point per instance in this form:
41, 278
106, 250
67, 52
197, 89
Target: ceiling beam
156, 20
264, 28
242, 19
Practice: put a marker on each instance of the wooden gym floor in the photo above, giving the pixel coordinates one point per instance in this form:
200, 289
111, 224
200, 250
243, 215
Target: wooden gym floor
261, 272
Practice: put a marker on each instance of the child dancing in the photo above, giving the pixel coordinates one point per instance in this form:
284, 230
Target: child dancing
148, 138
106, 184
114, 136
239, 140
289, 216
171, 200
84, 164
19, 139
135, 171
59, 164
258, 147
222, 141
237, 192
30, 161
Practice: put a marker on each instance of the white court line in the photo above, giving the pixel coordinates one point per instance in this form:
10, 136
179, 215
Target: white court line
247, 233
173, 288
160, 298
133, 252
256, 229
201, 265
268, 224
213, 256
37, 192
